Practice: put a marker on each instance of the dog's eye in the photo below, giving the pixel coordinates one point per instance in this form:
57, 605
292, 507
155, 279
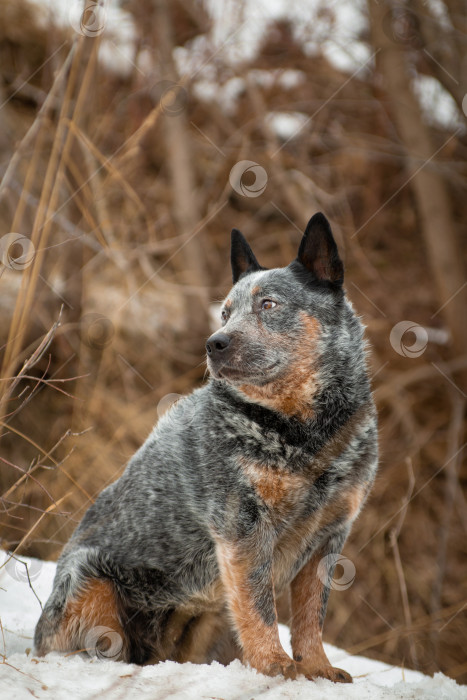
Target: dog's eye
268, 304
224, 315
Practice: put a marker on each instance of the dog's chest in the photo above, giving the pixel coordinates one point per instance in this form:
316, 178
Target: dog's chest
279, 489
297, 513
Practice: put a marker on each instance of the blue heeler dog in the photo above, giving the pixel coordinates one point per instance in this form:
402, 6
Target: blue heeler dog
245, 490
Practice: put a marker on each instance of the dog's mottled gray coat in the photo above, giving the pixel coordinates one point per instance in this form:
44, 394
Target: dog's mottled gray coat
283, 433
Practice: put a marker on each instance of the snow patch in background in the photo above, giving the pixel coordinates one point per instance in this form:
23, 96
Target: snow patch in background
438, 107
287, 125
227, 94
79, 677
118, 30
332, 28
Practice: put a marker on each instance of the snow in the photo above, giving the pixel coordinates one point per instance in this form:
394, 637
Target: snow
334, 29
438, 106
79, 677
286, 125
114, 23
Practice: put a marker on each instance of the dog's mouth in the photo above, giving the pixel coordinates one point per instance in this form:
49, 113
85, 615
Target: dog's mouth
236, 374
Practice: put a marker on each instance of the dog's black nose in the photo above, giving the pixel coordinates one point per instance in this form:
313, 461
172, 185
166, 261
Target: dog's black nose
217, 344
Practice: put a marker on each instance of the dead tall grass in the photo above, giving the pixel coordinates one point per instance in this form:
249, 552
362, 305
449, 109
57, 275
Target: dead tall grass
111, 314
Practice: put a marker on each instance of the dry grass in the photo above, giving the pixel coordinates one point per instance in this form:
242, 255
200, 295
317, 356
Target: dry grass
111, 315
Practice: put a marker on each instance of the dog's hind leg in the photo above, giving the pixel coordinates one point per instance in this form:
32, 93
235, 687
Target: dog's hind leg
87, 621
208, 637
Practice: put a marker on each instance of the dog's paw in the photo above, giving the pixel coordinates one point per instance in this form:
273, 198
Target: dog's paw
275, 666
286, 668
336, 675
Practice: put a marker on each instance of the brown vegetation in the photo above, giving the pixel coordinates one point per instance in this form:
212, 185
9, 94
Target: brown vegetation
121, 183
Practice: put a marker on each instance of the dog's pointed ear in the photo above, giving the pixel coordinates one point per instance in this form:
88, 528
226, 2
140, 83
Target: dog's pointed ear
318, 251
242, 257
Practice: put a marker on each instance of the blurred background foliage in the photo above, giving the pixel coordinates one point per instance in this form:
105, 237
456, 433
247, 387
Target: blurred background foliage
118, 132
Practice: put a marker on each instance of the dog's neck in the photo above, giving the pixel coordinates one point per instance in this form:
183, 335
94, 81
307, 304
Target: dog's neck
329, 410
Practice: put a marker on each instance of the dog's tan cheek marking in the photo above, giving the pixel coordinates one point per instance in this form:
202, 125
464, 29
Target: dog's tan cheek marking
95, 606
260, 642
293, 393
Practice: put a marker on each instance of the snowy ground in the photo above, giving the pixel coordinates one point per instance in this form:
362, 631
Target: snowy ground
23, 675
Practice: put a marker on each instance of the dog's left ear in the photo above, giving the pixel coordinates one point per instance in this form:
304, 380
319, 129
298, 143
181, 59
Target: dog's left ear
242, 257
318, 251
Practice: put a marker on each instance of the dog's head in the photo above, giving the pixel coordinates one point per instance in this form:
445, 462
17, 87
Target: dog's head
277, 324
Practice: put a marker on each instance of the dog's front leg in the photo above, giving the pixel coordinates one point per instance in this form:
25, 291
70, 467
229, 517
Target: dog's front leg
309, 597
247, 578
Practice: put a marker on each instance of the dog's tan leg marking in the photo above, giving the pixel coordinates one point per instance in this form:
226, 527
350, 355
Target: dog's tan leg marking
306, 604
94, 607
260, 641
307, 642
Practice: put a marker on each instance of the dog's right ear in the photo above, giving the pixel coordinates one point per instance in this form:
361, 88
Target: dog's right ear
242, 257
318, 252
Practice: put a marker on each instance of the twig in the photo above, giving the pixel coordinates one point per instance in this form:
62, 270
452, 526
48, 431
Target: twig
31, 530
47, 454
36, 355
27, 474
393, 539
49, 103
450, 493
421, 623
3, 639
26, 565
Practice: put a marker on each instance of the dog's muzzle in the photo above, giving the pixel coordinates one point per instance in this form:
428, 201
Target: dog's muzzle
217, 347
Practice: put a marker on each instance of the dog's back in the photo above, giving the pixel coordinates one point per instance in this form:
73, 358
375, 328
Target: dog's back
245, 488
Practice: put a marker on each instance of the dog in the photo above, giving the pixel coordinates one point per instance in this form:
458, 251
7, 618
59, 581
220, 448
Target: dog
244, 492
